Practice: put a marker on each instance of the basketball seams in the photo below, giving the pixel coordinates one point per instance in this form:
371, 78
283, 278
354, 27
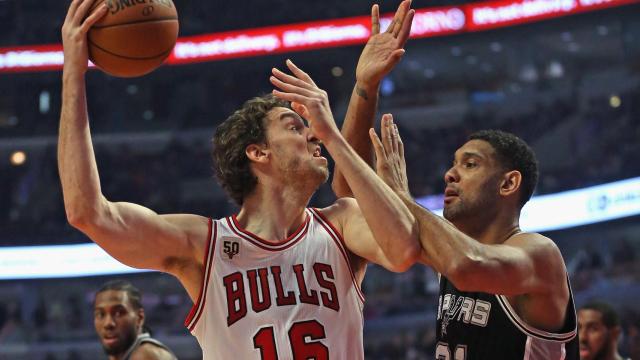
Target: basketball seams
162, 19
141, 58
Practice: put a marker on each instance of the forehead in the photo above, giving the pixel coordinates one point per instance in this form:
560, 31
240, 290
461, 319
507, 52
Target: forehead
475, 147
112, 298
279, 115
589, 315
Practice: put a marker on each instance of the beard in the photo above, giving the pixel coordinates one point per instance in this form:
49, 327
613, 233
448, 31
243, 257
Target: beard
121, 346
304, 174
464, 208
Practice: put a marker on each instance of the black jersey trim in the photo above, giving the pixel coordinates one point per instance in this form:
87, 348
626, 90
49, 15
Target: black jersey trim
529, 330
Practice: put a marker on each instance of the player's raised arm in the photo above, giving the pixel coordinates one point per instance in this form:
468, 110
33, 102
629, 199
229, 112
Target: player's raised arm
379, 227
379, 56
132, 234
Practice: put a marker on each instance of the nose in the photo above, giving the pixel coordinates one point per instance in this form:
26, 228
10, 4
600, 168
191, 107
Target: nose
451, 175
108, 322
312, 138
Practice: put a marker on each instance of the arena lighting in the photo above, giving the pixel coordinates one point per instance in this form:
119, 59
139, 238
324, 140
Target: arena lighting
428, 22
543, 213
18, 158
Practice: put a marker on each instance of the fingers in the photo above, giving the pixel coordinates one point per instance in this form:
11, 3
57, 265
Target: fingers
377, 145
405, 31
299, 73
72, 10
100, 11
399, 18
81, 11
400, 143
386, 132
290, 88
375, 19
290, 96
286, 78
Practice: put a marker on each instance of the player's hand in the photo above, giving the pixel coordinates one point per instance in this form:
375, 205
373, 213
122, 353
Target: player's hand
384, 50
309, 101
390, 163
74, 33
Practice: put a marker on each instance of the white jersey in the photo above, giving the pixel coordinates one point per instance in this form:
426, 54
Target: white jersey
298, 299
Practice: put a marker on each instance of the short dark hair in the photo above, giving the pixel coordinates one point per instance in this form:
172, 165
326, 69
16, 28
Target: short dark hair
513, 154
610, 317
134, 295
244, 127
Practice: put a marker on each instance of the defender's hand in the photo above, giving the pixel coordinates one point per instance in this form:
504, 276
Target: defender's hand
390, 164
74, 33
384, 50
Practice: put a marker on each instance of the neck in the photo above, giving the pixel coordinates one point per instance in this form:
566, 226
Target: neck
495, 230
273, 213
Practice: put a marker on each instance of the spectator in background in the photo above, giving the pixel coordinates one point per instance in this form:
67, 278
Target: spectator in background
599, 331
118, 317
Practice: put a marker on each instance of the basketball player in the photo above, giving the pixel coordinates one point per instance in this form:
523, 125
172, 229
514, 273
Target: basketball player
599, 329
118, 317
277, 280
504, 293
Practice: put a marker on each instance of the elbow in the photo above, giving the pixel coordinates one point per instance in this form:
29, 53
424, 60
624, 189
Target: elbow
82, 216
407, 258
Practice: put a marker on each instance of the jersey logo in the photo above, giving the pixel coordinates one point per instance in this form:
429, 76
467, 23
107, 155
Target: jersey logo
231, 248
450, 313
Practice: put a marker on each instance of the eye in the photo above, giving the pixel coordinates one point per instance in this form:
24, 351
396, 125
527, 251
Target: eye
469, 164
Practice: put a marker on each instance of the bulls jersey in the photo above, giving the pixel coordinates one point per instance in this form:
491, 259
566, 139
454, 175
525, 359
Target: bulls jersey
475, 325
298, 299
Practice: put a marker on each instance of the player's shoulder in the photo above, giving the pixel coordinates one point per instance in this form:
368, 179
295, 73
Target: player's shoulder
151, 351
340, 209
537, 246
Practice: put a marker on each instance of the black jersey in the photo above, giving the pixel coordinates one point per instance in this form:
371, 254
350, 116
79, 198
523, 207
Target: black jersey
142, 339
479, 326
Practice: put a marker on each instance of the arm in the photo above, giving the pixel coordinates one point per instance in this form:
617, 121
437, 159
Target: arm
390, 222
524, 264
380, 55
126, 231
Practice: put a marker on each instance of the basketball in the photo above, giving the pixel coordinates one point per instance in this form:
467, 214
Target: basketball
134, 37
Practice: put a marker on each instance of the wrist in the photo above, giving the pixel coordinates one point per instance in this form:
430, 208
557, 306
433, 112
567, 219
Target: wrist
371, 87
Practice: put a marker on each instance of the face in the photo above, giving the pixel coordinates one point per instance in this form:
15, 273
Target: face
595, 337
472, 183
296, 153
116, 321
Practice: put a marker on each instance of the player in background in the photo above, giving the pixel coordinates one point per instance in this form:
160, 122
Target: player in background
600, 331
118, 317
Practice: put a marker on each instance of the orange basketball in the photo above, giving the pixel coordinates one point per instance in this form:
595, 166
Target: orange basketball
134, 37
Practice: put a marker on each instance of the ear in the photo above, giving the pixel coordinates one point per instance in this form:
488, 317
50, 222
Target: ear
510, 183
140, 319
615, 333
258, 153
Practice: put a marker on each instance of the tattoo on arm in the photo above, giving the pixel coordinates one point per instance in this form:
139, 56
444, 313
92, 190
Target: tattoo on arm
362, 93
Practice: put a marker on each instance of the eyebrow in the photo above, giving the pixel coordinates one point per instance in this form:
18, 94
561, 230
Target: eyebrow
468, 154
290, 114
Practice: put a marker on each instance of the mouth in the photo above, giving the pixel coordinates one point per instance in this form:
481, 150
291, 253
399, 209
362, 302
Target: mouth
109, 340
318, 154
450, 195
